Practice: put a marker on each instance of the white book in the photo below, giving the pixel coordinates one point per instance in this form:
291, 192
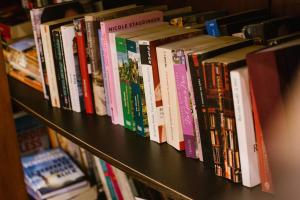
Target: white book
115, 69
72, 67
123, 184
245, 126
50, 66
102, 178
172, 117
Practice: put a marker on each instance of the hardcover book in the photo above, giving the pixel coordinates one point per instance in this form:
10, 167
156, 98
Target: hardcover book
112, 26
272, 72
220, 115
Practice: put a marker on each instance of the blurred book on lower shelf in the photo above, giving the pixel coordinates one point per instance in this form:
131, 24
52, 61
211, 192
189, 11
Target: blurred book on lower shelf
53, 175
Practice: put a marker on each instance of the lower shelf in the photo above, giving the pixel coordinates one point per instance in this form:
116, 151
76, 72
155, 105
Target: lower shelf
160, 166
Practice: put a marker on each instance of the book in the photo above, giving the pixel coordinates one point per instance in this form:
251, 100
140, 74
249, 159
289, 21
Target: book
221, 116
195, 18
47, 41
213, 25
24, 78
284, 38
52, 173
39, 16
60, 70
218, 46
84, 65
127, 69
32, 134
72, 67
272, 72
245, 126
155, 111
92, 22
124, 184
102, 178
271, 28
112, 26
137, 88
175, 93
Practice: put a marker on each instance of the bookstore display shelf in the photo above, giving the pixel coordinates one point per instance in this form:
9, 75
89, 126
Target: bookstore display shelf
160, 166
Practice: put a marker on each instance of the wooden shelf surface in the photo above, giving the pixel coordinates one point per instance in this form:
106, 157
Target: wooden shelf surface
160, 166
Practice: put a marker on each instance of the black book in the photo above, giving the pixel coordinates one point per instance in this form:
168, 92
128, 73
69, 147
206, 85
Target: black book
221, 45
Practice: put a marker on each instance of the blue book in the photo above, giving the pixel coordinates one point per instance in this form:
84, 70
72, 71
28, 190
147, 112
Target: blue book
52, 173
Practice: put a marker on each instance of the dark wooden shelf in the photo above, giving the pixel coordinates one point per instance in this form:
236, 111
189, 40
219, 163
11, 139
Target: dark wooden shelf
160, 166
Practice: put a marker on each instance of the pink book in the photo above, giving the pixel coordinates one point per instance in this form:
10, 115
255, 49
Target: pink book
116, 25
187, 120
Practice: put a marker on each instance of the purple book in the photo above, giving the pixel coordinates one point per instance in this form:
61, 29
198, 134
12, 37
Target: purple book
187, 121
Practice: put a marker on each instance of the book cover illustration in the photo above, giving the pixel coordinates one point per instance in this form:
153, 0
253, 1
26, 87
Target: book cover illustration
50, 171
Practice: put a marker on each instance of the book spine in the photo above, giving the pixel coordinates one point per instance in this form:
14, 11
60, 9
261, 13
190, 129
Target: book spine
172, 118
70, 50
183, 97
137, 88
35, 15
125, 74
222, 123
264, 168
104, 75
245, 126
92, 27
108, 180
109, 73
150, 93
197, 77
102, 178
60, 70
114, 181
212, 27
199, 152
48, 55
85, 72
115, 70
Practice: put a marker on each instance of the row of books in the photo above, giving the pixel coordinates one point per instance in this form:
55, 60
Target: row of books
56, 168
111, 181
172, 84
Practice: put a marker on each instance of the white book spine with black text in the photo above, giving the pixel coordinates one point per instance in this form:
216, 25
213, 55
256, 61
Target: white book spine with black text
169, 97
245, 126
68, 34
50, 66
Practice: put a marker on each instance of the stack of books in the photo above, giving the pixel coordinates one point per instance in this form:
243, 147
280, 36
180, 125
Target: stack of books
53, 175
171, 83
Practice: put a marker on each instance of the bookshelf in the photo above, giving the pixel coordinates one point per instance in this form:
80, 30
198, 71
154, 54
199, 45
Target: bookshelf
160, 166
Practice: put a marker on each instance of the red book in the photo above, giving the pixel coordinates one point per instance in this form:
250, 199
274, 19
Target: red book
271, 73
85, 75
114, 181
